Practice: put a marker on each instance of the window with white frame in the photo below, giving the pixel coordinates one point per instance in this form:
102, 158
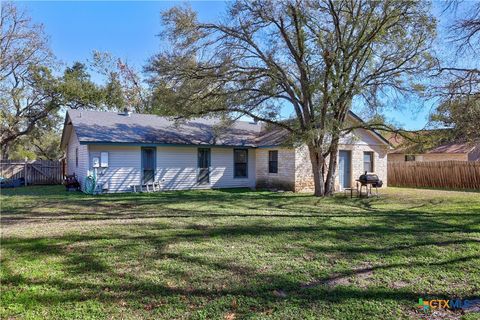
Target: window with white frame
368, 161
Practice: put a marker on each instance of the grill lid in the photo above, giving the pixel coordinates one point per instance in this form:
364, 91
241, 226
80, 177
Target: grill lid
369, 177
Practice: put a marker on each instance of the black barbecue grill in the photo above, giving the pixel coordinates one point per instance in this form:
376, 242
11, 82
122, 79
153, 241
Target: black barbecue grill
369, 180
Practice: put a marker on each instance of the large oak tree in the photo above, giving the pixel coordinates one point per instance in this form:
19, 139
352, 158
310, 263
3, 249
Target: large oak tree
25, 98
32, 94
313, 56
457, 80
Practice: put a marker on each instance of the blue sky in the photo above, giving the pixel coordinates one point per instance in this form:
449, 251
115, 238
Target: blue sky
125, 29
128, 30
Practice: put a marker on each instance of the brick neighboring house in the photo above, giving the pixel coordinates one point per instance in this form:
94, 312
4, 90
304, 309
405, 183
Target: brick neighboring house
452, 151
126, 149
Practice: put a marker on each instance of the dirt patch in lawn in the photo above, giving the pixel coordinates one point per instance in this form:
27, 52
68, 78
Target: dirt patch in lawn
359, 276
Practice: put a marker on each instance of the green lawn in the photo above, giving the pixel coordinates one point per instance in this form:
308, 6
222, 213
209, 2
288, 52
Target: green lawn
236, 254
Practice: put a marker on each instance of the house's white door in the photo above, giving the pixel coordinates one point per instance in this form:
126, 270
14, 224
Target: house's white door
344, 165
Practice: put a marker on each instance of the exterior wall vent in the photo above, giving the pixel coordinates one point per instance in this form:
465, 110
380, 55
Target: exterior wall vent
126, 112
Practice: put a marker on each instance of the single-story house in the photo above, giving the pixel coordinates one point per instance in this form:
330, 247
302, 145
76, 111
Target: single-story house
126, 149
450, 151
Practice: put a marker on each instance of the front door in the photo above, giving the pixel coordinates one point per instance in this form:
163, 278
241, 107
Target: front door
344, 164
148, 165
203, 165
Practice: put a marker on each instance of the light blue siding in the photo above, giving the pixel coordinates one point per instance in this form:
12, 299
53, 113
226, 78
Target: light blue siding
222, 169
124, 168
81, 170
176, 168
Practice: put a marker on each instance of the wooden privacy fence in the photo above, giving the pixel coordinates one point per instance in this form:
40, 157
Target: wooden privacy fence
34, 171
435, 174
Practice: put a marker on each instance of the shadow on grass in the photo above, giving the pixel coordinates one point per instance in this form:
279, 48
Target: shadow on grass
353, 229
54, 203
82, 268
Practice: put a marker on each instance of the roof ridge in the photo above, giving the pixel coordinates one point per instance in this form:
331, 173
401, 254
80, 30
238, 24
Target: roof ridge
155, 115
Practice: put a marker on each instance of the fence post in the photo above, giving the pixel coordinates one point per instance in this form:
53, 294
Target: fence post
25, 170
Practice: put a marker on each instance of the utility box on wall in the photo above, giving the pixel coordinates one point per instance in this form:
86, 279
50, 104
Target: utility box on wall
104, 159
96, 162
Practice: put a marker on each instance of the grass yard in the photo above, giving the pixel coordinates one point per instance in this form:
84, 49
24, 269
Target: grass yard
236, 254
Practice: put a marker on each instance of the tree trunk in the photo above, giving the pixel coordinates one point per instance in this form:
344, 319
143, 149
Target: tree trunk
5, 150
332, 168
317, 160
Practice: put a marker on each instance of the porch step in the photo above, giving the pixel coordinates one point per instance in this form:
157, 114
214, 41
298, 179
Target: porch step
148, 187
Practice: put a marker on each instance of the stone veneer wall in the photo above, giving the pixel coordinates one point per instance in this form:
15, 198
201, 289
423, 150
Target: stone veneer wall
303, 170
303, 167
285, 178
295, 170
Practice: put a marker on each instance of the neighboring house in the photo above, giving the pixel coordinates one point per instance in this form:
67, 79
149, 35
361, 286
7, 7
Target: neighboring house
128, 149
453, 151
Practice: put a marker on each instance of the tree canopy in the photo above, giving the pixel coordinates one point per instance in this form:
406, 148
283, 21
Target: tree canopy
314, 56
32, 92
462, 116
456, 81
25, 88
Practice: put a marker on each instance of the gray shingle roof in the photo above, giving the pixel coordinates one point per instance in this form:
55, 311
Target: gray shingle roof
112, 127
